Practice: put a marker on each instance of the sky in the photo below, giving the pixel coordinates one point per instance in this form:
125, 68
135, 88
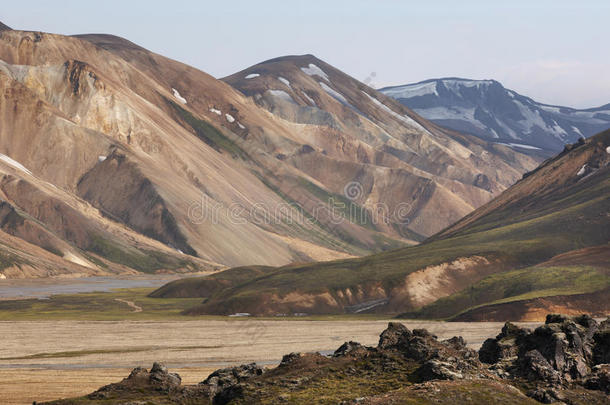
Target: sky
552, 51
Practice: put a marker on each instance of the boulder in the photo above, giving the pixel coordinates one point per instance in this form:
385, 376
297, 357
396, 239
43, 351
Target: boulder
546, 395
535, 367
391, 337
353, 349
504, 346
161, 378
158, 379
223, 378
601, 343
439, 370
599, 379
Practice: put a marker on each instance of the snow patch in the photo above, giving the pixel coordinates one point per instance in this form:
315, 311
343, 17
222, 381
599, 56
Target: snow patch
311, 100
178, 96
518, 145
101, 158
559, 130
412, 90
239, 124
285, 81
215, 111
281, 94
252, 75
333, 93
239, 314
456, 85
313, 70
551, 109
407, 120
452, 113
608, 149
14, 163
229, 118
582, 170
577, 131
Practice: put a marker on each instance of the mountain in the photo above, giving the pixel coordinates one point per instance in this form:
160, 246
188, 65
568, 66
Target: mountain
116, 159
396, 160
543, 244
488, 110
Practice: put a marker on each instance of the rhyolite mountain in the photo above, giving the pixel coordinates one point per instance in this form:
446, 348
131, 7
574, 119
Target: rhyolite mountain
116, 159
492, 112
423, 175
543, 244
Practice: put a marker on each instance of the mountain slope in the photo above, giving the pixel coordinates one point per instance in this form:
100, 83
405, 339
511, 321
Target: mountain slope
488, 110
390, 152
178, 159
122, 144
558, 209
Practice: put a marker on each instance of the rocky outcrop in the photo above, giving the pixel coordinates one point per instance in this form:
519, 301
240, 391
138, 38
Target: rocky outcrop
556, 362
562, 352
158, 379
224, 385
440, 360
503, 346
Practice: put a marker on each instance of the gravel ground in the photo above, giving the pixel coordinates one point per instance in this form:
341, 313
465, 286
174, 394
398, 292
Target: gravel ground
47, 360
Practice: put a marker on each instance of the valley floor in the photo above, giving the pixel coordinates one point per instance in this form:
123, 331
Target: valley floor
43, 360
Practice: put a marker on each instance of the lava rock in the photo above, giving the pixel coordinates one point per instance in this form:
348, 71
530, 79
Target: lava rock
535, 367
601, 343
392, 336
545, 395
599, 379
504, 346
353, 349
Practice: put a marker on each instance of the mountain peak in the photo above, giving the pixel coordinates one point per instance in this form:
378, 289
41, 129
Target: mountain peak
488, 110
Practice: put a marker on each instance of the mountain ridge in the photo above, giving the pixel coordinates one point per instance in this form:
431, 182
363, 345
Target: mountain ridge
487, 109
526, 233
160, 153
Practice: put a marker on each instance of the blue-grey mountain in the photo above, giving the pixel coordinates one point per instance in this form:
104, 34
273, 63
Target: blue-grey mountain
492, 112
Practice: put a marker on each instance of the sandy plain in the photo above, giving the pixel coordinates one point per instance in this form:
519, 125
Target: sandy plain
43, 360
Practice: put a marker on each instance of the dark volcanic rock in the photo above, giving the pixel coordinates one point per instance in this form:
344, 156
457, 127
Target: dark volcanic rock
440, 360
350, 349
504, 346
535, 367
563, 351
601, 344
221, 384
160, 377
158, 380
545, 395
599, 379
390, 338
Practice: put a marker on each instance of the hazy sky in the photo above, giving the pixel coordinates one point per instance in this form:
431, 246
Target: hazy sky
553, 51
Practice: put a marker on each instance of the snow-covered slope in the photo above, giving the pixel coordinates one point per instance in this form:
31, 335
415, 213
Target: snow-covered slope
488, 110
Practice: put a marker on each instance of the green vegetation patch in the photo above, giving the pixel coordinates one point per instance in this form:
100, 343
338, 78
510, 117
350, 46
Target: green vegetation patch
517, 285
208, 133
96, 306
147, 261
